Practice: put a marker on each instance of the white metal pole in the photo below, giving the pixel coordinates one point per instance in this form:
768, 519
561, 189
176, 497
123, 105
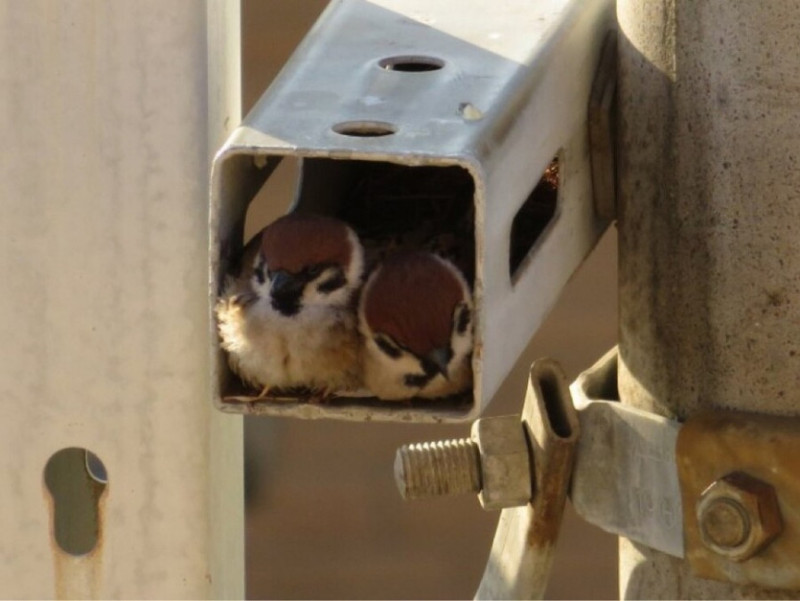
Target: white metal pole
109, 112
709, 212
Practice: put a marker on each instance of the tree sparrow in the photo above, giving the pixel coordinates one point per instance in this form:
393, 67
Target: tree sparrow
415, 315
289, 319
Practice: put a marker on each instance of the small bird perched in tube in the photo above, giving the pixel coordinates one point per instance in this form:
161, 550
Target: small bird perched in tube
289, 319
415, 315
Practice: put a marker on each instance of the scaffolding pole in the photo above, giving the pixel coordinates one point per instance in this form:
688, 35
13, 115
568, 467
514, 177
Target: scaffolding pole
709, 217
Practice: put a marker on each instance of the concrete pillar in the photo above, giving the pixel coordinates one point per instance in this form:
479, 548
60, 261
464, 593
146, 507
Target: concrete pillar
709, 227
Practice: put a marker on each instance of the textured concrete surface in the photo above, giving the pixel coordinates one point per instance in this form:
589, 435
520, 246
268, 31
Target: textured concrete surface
325, 519
709, 248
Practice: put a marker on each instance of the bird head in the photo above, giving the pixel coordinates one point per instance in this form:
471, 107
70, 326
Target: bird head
416, 311
307, 260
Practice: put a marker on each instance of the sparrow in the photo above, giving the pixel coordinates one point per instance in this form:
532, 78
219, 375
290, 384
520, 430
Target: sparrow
289, 319
415, 318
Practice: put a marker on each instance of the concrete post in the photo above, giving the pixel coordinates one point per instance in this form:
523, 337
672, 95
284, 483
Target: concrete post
709, 227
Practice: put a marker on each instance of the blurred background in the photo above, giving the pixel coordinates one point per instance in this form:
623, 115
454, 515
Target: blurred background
324, 519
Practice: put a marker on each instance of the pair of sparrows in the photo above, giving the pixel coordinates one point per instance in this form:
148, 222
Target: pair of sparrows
300, 314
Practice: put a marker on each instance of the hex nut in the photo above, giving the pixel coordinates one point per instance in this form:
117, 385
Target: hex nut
738, 516
505, 462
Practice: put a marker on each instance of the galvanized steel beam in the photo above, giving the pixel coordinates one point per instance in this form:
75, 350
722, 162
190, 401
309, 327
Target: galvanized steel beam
108, 113
493, 96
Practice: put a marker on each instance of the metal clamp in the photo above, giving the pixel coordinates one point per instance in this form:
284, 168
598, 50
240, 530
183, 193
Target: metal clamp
740, 481
472, 111
721, 489
625, 480
524, 543
520, 463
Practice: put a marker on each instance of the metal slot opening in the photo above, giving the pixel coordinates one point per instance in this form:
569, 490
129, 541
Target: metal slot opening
392, 208
364, 129
554, 404
532, 218
411, 64
76, 479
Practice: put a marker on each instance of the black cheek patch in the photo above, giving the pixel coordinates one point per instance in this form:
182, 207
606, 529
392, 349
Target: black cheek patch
286, 306
462, 323
332, 283
429, 367
416, 381
389, 349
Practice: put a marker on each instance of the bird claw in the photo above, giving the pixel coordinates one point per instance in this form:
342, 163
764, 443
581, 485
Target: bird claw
320, 396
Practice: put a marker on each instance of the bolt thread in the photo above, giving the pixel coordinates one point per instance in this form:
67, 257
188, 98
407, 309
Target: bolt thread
432, 469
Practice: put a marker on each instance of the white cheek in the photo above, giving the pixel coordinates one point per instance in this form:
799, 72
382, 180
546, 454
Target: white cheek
263, 290
312, 296
461, 344
399, 367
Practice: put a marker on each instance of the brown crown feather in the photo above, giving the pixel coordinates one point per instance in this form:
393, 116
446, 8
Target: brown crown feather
294, 242
412, 299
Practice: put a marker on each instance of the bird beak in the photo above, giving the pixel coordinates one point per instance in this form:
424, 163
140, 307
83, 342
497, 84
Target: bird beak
440, 358
285, 292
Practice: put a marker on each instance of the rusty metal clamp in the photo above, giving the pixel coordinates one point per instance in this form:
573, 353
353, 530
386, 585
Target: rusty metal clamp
520, 464
740, 482
721, 489
524, 543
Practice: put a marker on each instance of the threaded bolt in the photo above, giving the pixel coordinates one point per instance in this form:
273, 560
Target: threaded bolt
432, 469
494, 463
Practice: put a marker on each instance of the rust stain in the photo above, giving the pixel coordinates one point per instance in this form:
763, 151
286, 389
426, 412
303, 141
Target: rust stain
714, 444
551, 493
553, 453
77, 576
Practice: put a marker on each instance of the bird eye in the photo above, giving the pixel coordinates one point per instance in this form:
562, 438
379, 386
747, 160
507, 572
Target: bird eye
312, 271
462, 318
338, 280
388, 347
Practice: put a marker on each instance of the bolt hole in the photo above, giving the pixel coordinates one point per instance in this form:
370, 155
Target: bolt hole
364, 129
76, 479
411, 64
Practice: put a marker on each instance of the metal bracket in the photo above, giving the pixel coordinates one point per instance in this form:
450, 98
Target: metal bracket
602, 130
625, 480
421, 88
522, 464
751, 533
723, 489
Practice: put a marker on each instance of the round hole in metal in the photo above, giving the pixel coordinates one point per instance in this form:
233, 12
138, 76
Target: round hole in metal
411, 64
364, 129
